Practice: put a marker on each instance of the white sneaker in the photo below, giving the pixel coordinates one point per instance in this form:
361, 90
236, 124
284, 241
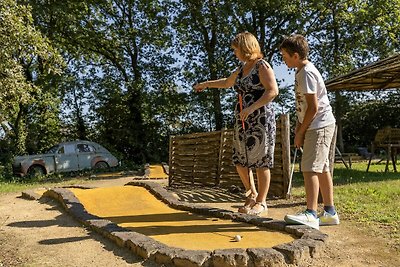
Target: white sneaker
325, 218
305, 218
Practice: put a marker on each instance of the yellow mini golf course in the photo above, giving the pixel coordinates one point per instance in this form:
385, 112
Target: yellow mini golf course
135, 208
153, 223
157, 172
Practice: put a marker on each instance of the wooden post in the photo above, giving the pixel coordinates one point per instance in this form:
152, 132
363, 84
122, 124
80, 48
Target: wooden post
332, 151
194, 161
171, 168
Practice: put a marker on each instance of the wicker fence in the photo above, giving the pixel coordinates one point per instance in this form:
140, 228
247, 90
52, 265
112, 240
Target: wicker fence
206, 159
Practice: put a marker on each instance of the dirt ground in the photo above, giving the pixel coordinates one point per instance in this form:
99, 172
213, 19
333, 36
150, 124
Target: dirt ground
41, 233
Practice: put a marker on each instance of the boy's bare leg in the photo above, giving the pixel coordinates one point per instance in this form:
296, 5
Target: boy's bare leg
311, 184
326, 187
329, 216
308, 217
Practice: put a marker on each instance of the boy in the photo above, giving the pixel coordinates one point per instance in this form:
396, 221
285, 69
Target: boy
314, 131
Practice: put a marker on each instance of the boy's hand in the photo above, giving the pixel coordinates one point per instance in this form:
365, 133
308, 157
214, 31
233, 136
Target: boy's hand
299, 140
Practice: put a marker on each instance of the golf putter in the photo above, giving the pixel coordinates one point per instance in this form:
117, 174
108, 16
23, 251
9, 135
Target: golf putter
252, 185
291, 174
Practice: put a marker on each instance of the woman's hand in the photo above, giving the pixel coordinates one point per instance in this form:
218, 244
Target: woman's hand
244, 114
199, 87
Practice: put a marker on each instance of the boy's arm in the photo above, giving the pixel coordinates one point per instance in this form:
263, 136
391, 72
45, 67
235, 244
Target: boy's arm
312, 108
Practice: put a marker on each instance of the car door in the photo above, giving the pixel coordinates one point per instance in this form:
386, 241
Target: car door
66, 158
86, 154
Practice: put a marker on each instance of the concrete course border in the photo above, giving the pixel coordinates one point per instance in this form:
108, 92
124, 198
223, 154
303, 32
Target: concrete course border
309, 244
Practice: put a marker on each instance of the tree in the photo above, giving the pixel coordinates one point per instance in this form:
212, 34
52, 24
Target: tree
204, 32
125, 45
27, 62
350, 34
368, 117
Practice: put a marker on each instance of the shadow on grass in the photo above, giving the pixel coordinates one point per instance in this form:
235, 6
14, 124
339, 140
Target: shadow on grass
350, 176
343, 176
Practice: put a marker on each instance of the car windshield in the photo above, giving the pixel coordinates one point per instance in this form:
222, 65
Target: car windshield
52, 150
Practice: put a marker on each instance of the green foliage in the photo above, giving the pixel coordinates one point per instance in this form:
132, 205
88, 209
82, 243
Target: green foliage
348, 34
22, 48
262, 19
118, 49
345, 35
130, 66
205, 31
27, 64
368, 117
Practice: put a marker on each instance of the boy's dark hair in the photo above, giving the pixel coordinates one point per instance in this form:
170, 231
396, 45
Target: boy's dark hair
295, 43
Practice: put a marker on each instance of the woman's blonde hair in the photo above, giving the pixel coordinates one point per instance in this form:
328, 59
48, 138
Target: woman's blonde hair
248, 46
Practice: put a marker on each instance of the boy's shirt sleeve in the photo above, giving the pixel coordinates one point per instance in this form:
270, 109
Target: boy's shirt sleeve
308, 84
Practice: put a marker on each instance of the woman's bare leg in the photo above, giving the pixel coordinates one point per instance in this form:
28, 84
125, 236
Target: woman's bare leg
263, 181
247, 179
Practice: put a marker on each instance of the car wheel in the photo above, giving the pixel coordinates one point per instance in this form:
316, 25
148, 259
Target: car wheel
101, 165
36, 171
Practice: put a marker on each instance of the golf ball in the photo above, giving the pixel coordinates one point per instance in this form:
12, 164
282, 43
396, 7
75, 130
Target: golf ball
238, 238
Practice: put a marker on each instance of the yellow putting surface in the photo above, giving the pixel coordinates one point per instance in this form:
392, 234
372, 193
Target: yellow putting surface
109, 175
135, 208
157, 172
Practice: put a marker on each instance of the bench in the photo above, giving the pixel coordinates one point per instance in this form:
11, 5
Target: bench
389, 140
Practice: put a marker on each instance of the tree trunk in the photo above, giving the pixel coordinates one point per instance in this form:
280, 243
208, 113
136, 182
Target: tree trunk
339, 114
338, 97
217, 110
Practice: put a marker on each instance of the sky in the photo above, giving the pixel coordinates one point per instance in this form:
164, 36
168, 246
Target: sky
282, 73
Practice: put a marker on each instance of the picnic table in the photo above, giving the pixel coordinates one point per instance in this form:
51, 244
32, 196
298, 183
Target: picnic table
388, 139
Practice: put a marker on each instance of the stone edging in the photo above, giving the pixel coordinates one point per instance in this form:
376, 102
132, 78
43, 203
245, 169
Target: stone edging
309, 244
30, 195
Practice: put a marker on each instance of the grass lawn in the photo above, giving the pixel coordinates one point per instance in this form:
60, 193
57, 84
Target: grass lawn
370, 199
21, 185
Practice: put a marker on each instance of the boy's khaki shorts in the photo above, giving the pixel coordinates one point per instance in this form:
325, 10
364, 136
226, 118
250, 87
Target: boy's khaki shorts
316, 146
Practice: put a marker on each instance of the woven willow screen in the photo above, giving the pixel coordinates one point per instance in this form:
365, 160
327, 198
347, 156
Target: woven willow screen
206, 159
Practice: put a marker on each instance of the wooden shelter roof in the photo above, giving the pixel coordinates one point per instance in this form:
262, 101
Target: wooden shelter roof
383, 74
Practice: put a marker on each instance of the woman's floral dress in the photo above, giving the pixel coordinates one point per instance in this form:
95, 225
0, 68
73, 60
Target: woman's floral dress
254, 147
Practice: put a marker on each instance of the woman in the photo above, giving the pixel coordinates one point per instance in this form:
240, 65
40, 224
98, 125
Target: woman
254, 130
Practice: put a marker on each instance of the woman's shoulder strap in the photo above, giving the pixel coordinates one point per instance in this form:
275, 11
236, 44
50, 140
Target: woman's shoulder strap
262, 61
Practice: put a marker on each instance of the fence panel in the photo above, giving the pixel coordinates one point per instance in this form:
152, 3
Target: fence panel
206, 159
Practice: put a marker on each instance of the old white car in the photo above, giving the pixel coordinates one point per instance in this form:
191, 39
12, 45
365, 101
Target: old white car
65, 157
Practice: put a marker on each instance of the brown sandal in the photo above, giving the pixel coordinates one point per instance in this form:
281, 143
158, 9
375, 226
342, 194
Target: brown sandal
255, 211
248, 204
